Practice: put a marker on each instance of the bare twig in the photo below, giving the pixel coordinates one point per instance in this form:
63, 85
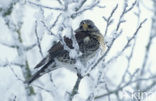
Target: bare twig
91, 97
42, 6
27, 48
12, 63
57, 18
18, 78
49, 91
100, 6
76, 87
109, 20
85, 9
9, 45
38, 39
121, 16
82, 2
148, 47
132, 6
51, 79
60, 2
128, 42
49, 30
130, 82
129, 58
109, 99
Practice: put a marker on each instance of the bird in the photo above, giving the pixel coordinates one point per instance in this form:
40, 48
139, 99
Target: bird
89, 40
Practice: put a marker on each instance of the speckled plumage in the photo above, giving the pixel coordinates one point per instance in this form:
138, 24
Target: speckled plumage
87, 36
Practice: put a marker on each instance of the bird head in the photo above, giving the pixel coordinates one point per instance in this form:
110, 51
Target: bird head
87, 26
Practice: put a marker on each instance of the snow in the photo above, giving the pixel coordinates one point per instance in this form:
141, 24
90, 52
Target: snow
18, 14
5, 3
73, 54
63, 79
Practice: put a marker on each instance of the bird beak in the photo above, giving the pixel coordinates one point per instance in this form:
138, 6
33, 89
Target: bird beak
85, 26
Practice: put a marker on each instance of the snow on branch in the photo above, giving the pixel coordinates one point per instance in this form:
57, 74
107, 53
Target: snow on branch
76, 87
57, 18
14, 21
115, 33
149, 44
130, 82
78, 12
6, 64
8, 45
128, 42
60, 27
38, 39
60, 2
42, 6
109, 20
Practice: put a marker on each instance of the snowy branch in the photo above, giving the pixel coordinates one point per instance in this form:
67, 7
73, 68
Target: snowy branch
147, 49
57, 18
109, 20
128, 42
38, 39
60, 2
115, 34
57, 21
8, 64
130, 82
8, 45
76, 87
27, 48
85, 9
42, 6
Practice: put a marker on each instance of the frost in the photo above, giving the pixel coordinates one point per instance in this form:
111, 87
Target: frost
108, 40
80, 66
101, 79
40, 29
18, 14
67, 32
73, 54
5, 3
48, 19
39, 15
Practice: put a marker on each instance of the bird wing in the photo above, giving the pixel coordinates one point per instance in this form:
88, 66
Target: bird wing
55, 49
52, 52
58, 49
101, 41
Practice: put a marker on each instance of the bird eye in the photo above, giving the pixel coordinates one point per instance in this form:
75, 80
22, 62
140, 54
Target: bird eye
89, 26
82, 23
81, 27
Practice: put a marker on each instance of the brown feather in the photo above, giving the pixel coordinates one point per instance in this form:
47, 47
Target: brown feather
58, 47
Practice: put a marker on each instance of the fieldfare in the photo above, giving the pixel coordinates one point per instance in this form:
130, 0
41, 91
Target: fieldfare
89, 40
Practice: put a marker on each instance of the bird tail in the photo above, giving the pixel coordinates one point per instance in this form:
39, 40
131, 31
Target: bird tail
42, 62
45, 69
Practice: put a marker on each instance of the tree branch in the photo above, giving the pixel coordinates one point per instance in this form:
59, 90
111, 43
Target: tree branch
76, 87
42, 6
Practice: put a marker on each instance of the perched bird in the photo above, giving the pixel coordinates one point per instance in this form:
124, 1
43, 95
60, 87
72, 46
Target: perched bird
89, 40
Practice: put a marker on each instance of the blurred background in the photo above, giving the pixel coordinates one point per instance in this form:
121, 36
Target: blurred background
127, 72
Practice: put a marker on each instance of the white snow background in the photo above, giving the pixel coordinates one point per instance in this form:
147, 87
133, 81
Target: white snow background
64, 79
